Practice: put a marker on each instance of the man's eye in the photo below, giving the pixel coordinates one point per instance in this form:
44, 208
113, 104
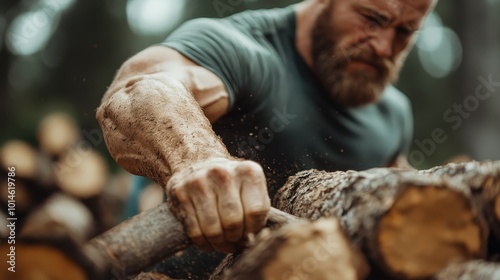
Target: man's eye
405, 31
373, 20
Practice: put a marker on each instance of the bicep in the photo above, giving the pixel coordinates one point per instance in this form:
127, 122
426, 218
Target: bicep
206, 87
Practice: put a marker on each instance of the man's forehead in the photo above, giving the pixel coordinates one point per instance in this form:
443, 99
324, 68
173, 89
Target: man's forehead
401, 7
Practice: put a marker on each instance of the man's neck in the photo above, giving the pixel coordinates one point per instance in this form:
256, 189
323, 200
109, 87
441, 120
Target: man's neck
306, 13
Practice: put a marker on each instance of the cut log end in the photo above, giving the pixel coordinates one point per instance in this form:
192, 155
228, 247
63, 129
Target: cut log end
42, 261
151, 197
57, 133
83, 176
315, 250
22, 156
483, 178
425, 229
60, 216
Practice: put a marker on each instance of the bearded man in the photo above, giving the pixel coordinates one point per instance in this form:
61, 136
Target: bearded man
224, 104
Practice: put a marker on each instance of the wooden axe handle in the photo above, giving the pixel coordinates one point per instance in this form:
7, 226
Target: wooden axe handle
146, 239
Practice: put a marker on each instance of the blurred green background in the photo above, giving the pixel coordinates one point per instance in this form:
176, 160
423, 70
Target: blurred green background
60, 55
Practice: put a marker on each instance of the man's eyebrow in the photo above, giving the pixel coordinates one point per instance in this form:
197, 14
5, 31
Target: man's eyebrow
382, 17
387, 19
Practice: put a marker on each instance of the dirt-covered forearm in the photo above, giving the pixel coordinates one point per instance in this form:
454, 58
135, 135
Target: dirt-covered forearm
153, 126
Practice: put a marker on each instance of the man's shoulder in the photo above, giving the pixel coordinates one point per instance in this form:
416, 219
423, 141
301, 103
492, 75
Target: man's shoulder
205, 26
396, 99
277, 19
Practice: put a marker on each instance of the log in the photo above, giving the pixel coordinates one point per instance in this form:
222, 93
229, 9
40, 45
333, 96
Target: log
409, 225
24, 199
60, 216
57, 133
302, 250
472, 270
82, 175
30, 165
4, 230
34, 180
224, 265
21, 155
146, 239
483, 178
151, 276
40, 258
150, 197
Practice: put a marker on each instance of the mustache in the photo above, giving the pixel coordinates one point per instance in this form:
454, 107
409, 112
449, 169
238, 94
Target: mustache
366, 55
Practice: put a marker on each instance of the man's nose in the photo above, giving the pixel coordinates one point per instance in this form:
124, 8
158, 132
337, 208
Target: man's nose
382, 42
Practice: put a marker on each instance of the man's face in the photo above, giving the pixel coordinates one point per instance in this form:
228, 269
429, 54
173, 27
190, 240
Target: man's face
359, 46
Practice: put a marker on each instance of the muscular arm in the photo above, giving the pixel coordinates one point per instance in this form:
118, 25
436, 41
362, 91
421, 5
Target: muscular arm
150, 117
156, 118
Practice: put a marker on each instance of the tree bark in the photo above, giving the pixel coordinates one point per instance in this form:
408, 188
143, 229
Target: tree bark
151, 276
471, 270
303, 250
409, 225
225, 265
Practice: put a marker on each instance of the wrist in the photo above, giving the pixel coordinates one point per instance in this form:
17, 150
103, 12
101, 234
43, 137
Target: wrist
203, 158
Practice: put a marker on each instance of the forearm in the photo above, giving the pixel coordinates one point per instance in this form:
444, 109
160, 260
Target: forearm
153, 126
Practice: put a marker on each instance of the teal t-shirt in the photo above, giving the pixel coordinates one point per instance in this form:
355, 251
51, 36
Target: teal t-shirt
279, 114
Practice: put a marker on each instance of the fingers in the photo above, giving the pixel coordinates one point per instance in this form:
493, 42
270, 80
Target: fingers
220, 202
254, 196
229, 204
184, 210
218, 210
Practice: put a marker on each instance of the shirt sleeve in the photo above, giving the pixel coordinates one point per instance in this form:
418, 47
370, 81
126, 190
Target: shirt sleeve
229, 52
408, 126
408, 132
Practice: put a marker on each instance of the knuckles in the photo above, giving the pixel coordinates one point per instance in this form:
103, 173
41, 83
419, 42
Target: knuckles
202, 182
258, 213
220, 174
232, 224
249, 168
178, 192
221, 177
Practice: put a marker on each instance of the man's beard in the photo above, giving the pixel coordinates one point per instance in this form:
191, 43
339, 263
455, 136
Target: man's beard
358, 87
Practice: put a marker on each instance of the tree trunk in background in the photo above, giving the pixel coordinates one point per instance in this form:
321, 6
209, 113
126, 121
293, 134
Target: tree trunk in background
478, 30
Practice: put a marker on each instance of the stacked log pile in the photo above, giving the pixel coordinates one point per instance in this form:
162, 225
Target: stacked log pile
408, 224
59, 198
375, 224
442, 223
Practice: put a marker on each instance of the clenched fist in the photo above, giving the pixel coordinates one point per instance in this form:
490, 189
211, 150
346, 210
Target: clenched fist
219, 201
